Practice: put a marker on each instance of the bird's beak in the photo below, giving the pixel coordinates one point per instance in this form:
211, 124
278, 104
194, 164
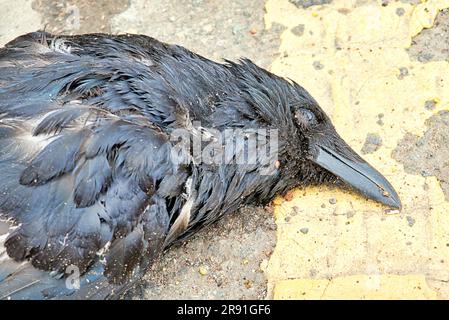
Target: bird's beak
358, 174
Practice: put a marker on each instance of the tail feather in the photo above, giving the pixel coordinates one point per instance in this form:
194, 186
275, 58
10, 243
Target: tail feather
21, 281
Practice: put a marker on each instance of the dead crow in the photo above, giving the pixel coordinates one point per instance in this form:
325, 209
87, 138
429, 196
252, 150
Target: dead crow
113, 148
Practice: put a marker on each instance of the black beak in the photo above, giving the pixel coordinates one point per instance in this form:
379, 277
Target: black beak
358, 174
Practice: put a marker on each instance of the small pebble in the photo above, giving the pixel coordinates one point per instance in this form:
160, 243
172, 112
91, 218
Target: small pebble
268, 253
400, 11
248, 284
288, 196
410, 221
317, 65
304, 230
380, 120
430, 104
425, 173
344, 11
403, 72
202, 270
298, 30
295, 211
332, 201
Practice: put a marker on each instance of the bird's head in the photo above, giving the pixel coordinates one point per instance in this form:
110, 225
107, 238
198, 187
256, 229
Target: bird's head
310, 150
324, 155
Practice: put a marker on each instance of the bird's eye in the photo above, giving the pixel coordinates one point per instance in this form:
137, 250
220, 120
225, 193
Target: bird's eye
305, 117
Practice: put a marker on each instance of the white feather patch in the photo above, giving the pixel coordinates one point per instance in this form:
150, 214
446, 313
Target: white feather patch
182, 221
3, 254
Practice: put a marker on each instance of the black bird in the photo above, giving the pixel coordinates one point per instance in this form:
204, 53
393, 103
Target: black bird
92, 181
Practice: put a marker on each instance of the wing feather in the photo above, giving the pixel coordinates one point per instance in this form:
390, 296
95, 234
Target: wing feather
82, 159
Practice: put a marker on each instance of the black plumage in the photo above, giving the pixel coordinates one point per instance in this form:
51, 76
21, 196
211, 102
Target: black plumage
87, 158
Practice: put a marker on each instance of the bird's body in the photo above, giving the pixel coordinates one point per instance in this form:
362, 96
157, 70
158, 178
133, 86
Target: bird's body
89, 174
